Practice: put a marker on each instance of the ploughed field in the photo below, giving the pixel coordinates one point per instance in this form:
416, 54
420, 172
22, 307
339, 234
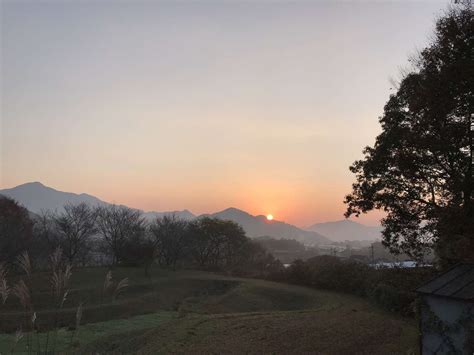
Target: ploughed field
196, 312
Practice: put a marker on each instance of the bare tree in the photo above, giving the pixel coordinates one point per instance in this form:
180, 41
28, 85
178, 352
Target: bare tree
117, 225
75, 225
46, 229
170, 235
46, 237
200, 242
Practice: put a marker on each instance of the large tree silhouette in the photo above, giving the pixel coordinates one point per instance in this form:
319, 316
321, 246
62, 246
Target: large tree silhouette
420, 169
15, 229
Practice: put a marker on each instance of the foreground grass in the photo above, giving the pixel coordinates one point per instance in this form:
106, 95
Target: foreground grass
200, 312
65, 339
266, 317
164, 291
342, 325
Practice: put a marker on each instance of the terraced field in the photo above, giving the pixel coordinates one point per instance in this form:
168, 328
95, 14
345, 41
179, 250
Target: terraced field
188, 311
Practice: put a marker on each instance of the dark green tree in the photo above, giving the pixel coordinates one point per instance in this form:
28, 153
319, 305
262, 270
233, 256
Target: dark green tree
216, 243
16, 229
420, 169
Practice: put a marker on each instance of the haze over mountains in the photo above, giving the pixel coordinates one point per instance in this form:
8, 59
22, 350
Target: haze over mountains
37, 197
257, 226
343, 230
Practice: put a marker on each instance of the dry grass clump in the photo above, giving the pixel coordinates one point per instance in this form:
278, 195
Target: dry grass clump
107, 282
4, 288
55, 259
109, 286
59, 283
22, 292
59, 279
23, 261
121, 286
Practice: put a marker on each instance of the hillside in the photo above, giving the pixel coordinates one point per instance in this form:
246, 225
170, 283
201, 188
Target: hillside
201, 312
257, 226
37, 197
343, 230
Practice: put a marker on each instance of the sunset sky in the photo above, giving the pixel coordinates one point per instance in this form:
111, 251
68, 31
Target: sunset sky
259, 105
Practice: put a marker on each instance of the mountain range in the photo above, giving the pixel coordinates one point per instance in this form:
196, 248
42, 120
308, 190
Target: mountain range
257, 226
37, 197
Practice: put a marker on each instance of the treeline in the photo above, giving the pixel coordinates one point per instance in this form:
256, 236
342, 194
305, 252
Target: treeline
118, 235
391, 288
287, 250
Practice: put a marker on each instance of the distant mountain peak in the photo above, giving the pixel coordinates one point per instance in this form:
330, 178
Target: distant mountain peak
31, 184
34, 183
257, 226
233, 211
37, 197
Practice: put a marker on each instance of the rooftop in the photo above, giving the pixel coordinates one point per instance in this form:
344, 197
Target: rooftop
457, 282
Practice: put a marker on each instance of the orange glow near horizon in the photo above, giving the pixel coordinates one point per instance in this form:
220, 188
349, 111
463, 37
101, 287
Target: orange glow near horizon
149, 106
301, 204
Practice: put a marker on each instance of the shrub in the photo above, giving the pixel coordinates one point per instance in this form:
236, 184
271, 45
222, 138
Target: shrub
392, 289
393, 299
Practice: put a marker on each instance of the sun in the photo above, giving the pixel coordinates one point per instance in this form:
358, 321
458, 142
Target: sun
269, 217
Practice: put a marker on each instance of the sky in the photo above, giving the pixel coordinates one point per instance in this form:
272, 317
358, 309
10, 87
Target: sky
204, 105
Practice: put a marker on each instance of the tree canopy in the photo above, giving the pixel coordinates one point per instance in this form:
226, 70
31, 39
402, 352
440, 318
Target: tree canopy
420, 169
15, 229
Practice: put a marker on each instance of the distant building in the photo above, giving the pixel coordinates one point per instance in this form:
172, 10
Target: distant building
447, 312
331, 247
407, 264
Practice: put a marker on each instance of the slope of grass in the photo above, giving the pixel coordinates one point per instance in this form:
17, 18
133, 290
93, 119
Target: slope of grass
254, 296
265, 317
325, 331
164, 291
191, 311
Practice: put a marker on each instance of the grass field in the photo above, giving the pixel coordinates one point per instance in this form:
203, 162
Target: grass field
190, 311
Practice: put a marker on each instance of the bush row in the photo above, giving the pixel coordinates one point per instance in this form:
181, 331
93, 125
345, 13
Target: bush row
391, 288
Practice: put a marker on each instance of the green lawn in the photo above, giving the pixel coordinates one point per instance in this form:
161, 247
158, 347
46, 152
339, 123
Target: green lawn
191, 311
